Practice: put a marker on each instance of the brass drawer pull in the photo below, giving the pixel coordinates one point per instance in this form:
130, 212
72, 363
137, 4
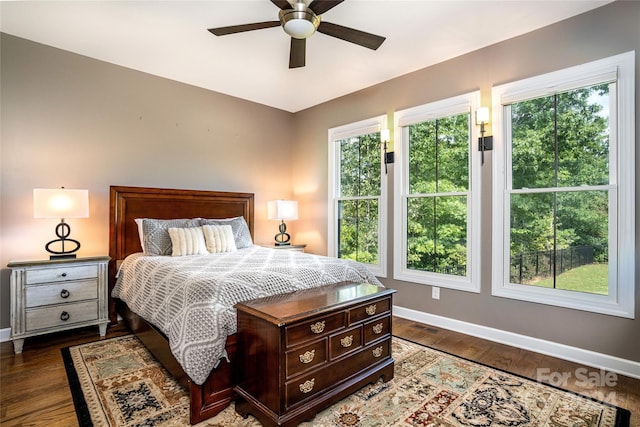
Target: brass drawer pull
64, 293
377, 329
317, 327
377, 352
371, 310
307, 386
347, 341
307, 357
64, 316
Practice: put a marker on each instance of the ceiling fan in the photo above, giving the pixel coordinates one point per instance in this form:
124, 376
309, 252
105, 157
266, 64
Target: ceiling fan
300, 21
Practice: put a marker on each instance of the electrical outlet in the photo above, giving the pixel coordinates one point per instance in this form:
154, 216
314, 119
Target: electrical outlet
435, 292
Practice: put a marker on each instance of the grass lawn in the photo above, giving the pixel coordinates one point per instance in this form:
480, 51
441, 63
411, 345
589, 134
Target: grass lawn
592, 278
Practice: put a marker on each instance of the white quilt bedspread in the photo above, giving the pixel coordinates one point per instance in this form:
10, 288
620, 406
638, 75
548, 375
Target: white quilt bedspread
191, 298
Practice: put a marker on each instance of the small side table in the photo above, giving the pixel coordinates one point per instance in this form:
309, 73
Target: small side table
56, 295
299, 248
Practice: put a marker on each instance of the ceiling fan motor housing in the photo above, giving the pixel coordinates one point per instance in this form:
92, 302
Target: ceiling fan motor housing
299, 22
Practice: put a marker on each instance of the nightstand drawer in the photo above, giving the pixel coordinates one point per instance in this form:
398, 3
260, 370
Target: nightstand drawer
58, 293
59, 315
59, 274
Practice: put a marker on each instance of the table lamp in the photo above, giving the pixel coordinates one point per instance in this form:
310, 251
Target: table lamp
282, 210
61, 203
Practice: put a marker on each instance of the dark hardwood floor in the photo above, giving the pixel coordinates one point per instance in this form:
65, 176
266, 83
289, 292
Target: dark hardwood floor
34, 390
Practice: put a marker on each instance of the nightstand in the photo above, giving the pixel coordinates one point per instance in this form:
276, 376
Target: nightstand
299, 248
55, 295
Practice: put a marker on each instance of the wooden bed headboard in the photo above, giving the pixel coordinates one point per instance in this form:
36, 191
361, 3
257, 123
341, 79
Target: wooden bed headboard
128, 203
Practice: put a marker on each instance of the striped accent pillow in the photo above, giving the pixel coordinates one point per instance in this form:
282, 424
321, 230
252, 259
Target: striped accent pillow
219, 238
241, 233
187, 241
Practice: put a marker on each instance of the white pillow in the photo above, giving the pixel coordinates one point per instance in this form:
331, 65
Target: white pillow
219, 238
187, 241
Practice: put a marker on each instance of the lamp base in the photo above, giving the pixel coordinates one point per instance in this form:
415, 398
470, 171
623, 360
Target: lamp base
282, 238
62, 231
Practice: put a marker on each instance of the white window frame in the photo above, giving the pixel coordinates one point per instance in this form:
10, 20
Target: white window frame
467, 103
372, 125
620, 299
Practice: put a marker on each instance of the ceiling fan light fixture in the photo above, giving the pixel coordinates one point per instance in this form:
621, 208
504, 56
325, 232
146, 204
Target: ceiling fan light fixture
300, 19
300, 22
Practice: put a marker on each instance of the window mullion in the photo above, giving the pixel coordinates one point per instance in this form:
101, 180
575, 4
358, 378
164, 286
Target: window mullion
435, 204
556, 162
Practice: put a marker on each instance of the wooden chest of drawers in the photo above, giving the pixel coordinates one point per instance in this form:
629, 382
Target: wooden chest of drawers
49, 296
299, 353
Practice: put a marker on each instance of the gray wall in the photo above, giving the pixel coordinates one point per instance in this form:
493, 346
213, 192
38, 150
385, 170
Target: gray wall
69, 120
606, 31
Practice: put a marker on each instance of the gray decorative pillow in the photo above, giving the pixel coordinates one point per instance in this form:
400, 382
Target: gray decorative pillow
155, 234
241, 233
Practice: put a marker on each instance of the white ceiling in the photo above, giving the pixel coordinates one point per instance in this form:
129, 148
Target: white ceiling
169, 39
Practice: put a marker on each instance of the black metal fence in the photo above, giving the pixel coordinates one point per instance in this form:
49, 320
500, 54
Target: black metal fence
528, 265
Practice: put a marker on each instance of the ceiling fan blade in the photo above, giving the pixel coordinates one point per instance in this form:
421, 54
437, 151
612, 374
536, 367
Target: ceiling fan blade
297, 53
282, 4
352, 35
321, 6
222, 31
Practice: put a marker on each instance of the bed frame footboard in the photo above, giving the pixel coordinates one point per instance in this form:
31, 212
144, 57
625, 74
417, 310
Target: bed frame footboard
217, 392
206, 400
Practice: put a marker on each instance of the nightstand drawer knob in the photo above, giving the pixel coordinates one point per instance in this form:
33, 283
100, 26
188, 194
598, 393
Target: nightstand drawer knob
64, 316
64, 274
64, 293
377, 329
371, 310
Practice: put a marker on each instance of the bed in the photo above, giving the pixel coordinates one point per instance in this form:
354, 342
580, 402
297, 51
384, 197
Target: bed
212, 393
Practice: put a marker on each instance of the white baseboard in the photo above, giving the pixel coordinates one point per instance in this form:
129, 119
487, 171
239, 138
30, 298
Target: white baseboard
549, 348
5, 334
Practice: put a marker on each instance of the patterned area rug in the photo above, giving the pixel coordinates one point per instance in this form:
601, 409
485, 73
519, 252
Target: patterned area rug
116, 382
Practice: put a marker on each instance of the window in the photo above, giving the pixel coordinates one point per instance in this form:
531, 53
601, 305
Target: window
436, 196
357, 194
564, 196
